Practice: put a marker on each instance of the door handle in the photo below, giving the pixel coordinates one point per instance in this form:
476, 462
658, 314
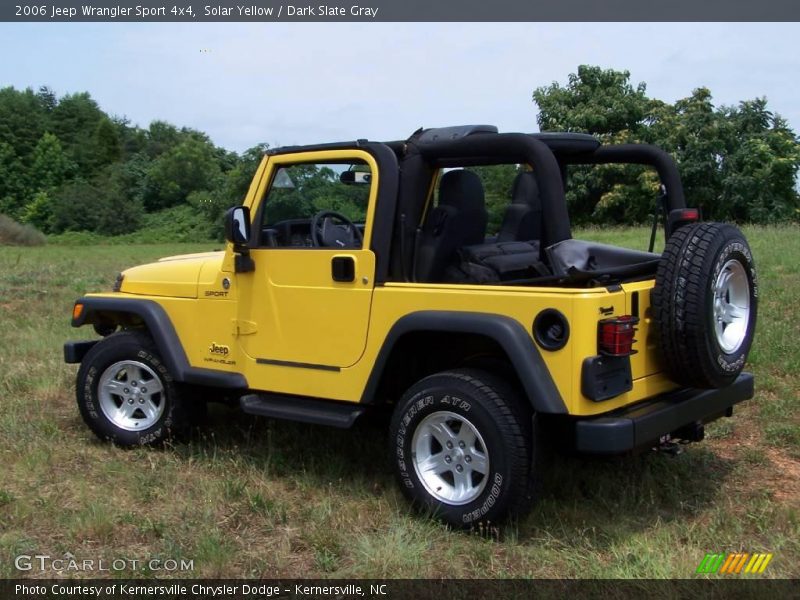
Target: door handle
343, 268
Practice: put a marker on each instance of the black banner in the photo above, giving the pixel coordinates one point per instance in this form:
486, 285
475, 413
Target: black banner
401, 10
447, 589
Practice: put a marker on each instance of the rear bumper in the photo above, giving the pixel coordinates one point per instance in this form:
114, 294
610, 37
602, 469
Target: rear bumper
646, 423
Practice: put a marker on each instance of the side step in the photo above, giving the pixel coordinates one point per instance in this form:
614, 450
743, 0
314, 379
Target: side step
304, 410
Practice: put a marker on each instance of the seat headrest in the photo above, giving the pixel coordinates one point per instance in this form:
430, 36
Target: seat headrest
525, 189
461, 189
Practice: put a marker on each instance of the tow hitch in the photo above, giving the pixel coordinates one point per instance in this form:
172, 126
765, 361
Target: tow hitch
671, 443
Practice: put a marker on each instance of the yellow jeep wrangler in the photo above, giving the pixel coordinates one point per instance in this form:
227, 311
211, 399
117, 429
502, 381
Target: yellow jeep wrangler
361, 275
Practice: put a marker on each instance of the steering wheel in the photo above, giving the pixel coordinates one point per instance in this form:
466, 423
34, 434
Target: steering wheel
325, 233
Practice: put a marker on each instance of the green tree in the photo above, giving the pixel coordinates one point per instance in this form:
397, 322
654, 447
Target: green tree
118, 213
47, 98
696, 135
231, 191
100, 206
133, 140
107, 145
23, 120
74, 208
759, 168
161, 137
50, 165
12, 180
131, 176
597, 101
50, 168
68, 166
190, 166
39, 212
239, 177
736, 163
75, 120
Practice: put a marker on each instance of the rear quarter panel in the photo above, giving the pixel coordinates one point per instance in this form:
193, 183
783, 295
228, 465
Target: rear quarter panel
581, 307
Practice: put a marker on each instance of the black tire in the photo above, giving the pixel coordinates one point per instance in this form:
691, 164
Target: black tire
129, 348
684, 302
504, 426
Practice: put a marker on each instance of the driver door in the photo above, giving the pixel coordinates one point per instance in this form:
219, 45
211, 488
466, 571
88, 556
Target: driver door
307, 305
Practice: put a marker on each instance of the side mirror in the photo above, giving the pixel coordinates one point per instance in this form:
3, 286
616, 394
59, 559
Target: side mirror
237, 231
237, 225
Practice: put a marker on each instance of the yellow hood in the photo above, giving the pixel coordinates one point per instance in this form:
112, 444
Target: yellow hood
174, 276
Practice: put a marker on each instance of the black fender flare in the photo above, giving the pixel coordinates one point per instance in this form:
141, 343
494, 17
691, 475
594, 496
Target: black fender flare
508, 333
161, 329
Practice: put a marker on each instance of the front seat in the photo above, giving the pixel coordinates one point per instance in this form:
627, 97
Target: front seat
522, 221
459, 220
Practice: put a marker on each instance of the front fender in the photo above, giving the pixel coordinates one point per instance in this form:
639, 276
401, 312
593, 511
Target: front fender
135, 311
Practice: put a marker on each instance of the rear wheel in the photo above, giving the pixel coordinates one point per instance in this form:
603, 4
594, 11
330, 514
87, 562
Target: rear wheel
461, 445
125, 392
705, 303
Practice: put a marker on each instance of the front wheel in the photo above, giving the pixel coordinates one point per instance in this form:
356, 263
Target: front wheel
126, 394
461, 445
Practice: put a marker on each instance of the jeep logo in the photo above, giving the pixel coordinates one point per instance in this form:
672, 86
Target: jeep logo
216, 349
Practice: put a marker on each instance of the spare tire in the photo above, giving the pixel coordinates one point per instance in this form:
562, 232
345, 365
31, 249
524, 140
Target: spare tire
704, 304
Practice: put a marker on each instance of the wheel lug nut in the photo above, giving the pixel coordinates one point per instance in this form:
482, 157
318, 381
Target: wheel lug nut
468, 459
459, 468
461, 445
447, 459
144, 390
126, 390
450, 445
130, 400
141, 400
133, 383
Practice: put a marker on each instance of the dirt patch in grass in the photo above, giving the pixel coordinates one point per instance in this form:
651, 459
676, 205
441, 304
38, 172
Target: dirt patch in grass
786, 483
774, 469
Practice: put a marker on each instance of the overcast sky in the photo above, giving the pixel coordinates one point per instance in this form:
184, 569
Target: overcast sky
288, 83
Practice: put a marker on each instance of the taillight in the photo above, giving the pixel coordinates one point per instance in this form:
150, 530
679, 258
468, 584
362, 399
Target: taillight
615, 335
680, 216
688, 214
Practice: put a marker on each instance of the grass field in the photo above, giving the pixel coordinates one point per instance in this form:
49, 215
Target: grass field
257, 498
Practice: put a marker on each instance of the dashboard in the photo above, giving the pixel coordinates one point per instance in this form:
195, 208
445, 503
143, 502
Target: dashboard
291, 233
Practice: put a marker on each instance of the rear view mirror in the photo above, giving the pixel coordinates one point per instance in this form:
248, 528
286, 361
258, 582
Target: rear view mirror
355, 178
237, 225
